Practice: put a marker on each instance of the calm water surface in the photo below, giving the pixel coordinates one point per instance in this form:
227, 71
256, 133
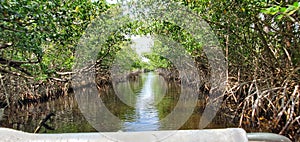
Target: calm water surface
140, 105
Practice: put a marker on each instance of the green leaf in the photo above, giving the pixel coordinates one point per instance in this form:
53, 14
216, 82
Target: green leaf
283, 9
273, 13
290, 8
296, 4
279, 17
292, 12
264, 11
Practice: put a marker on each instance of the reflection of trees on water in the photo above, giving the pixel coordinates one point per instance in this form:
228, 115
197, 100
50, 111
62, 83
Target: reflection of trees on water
170, 100
116, 106
68, 117
145, 117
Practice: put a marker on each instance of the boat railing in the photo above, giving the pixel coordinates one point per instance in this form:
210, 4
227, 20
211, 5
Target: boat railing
206, 135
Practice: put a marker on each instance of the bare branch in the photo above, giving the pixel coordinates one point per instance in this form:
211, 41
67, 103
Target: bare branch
5, 45
15, 73
16, 63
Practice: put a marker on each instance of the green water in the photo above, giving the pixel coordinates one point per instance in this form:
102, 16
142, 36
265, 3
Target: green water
139, 105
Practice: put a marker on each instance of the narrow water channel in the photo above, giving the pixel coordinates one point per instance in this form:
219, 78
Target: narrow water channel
151, 99
146, 113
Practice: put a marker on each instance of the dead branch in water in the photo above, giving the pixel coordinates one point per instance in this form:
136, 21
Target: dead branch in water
43, 123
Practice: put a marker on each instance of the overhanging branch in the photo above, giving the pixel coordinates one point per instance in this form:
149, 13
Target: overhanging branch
15, 73
5, 45
15, 63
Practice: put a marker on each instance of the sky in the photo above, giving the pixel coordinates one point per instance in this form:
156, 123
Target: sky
142, 44
112, 1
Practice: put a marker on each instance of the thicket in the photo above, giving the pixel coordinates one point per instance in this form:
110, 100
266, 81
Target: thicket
261, 43
259, 39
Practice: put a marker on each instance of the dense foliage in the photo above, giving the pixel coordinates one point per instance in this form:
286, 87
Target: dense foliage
261, 42
38, 37
37, 42
259, 38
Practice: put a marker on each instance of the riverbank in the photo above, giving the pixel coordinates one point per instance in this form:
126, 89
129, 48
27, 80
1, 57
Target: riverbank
169, 74
246, 107
153, 97
16, 90
269, 104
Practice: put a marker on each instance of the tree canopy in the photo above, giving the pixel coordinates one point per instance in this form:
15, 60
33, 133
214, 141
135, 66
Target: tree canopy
37, 38
260, 40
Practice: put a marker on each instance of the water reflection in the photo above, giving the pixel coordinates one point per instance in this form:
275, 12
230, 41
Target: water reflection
68, 117
139, 105
146, 114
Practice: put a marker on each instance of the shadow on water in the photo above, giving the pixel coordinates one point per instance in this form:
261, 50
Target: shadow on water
68, 117
140, 105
